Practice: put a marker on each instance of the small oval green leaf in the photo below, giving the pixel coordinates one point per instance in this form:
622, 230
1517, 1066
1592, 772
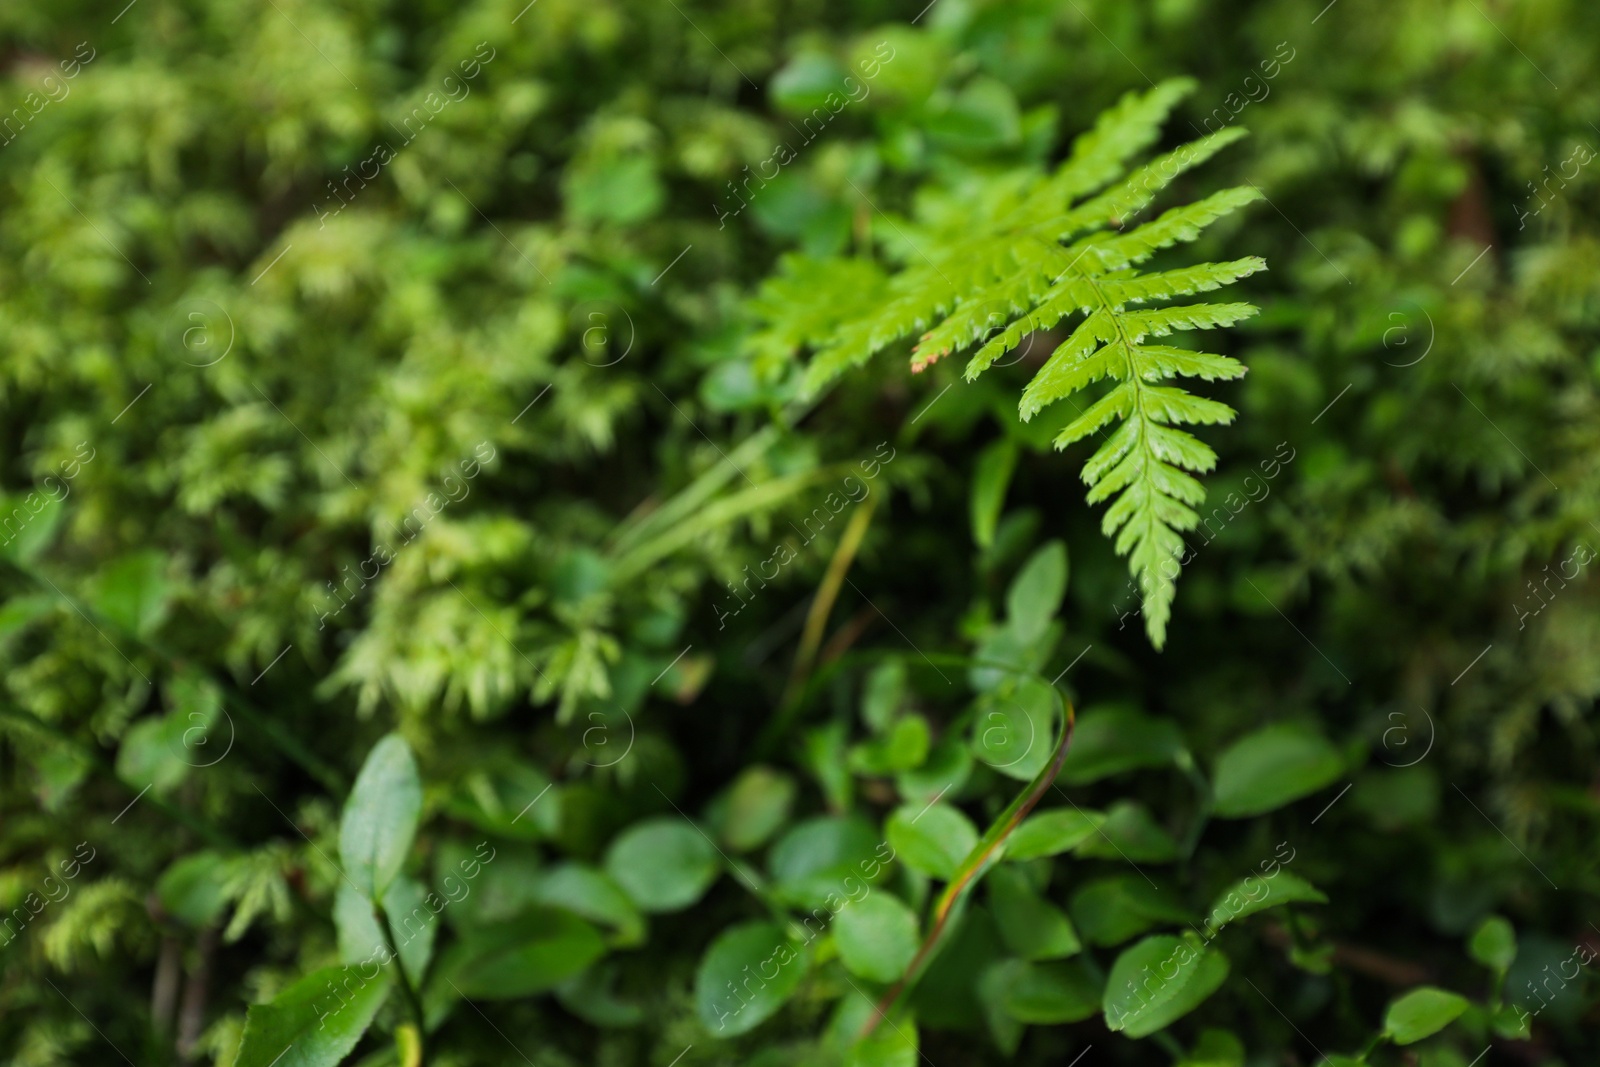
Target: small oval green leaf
1109, 911
755, 807
812, 860
1052, 832
1030, 925
1046, 994
876, 936
1494, 944
1036, 592
663, 864
1013, 726
528, 955
1130, 834
585, 891
194, 888
933, 841
1422, 1013
1160, 980
1113, 740
1270, 768
746, 975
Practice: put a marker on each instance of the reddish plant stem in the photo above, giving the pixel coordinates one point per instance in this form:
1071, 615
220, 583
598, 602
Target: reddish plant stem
971, 870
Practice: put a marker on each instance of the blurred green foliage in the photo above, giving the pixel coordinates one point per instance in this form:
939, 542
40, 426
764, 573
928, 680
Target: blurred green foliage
402, 379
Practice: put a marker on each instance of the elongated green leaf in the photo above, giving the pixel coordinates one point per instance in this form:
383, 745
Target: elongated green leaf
380, 817
512, 799
882, 694
989, 483
1257, 893
413, 922
591, 997
1130, 834
585, 891
316, 1021
1036, 592
1113, 740
1108, 911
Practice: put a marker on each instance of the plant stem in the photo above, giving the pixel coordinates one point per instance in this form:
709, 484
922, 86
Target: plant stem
1202, 815
973, 867
628, 565
1168, 1043
817, 618
405, 982
192, 1013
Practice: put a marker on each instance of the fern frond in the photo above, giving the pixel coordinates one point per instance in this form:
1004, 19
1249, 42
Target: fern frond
1145, 460
1139, 189
807, 301
1181, 224
1029, 251
1127, 128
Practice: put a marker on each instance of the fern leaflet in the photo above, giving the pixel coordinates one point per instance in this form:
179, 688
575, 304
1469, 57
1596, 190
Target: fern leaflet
1019, 255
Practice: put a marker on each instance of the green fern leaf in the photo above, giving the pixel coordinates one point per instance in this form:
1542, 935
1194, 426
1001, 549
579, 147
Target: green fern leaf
1012, 256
